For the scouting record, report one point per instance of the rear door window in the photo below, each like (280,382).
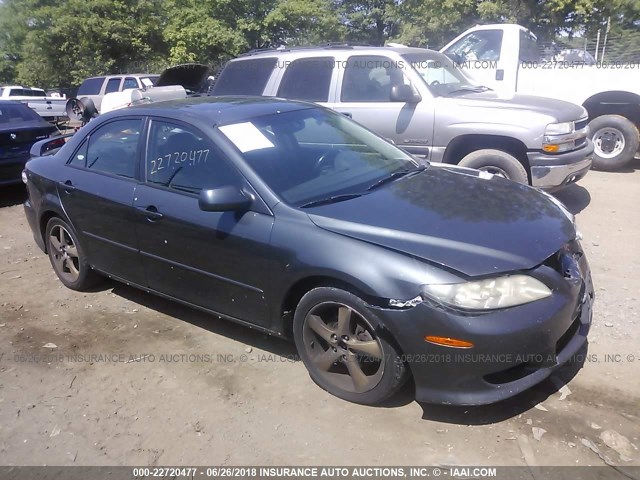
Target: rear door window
(307,79)
(245,77)
(112,148)
(91,86)
(113,84)
(129,82)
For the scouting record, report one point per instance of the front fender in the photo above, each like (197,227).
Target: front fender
(307,251)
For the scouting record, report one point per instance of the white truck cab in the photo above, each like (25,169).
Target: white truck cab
(506,57)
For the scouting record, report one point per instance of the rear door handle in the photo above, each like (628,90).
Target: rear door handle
(150,212)
(67,186)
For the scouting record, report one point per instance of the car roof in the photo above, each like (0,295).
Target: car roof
(20,86)
(120,75)
(360,49)
(215,110)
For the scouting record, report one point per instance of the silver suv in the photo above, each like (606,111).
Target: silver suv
(422,101)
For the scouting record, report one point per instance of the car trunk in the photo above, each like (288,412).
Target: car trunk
(16,142)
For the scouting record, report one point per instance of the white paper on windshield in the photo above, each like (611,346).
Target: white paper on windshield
(246,136)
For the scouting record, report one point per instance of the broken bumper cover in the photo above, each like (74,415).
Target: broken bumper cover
(514,349)
(553,171)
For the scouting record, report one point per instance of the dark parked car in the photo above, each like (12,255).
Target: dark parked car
(294,220)
(20,128)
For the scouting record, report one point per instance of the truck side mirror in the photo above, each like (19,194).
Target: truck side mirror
(404,93)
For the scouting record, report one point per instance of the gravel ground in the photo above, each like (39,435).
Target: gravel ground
(170,385)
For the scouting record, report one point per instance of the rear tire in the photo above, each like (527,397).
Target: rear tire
(497,162)
(615,141)
(67,256)
(339,341)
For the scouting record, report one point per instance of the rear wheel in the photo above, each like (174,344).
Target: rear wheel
(615,141)
(337,338)
(67,257)
(498,163)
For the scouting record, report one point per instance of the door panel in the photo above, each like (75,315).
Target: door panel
(100,209)
(216,260)
(97,193)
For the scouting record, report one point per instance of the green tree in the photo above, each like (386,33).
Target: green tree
(62,42)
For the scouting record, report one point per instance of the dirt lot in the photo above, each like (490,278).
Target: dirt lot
(169,385)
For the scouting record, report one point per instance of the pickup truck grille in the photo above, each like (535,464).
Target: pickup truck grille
(580,124)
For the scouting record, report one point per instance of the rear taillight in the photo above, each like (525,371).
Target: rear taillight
(57,143)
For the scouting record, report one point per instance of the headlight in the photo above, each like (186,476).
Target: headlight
(559,128)
(559,137)
(25,179)
(489,294)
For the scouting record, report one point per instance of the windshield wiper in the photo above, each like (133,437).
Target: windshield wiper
(395,176)
(333,199)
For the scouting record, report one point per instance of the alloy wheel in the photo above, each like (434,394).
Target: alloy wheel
(64,253)
(343,347)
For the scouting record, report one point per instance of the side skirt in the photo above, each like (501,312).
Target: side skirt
(252,326)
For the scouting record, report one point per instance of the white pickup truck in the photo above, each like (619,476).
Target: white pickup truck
(506,58)
(52,109)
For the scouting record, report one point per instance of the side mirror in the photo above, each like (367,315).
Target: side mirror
(404,93)
(224,199)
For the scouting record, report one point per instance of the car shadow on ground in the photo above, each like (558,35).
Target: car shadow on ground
(13,195)
(512,407)
(204,320)
(575,197)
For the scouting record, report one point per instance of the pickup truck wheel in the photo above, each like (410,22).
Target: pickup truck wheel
(615,142)
(497,162)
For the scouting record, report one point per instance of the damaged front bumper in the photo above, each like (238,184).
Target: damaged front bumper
(513,349)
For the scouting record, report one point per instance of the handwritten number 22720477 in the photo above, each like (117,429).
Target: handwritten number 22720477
(191,158)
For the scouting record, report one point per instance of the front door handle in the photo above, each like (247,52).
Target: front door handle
(67,186)
(150,212)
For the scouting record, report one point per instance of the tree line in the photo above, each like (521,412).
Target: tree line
(57,43)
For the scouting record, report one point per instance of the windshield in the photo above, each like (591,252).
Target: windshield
(440,74)
(314,155)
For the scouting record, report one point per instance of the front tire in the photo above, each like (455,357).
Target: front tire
(67,256)
(338,340)
(615,142)
(498,163)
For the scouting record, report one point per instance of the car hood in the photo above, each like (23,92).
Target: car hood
(191,76)
(476,224)
(560,110)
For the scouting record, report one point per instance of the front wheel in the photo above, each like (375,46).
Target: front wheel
(337,339)
(498,163)
(615,142)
